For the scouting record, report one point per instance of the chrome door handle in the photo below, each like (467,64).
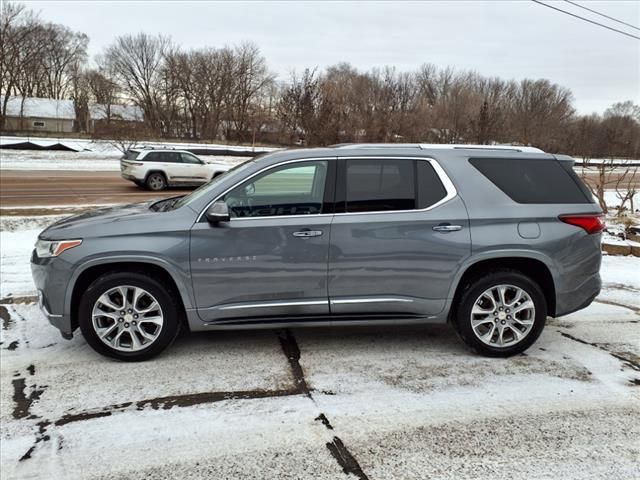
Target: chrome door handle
(307,233)
(445,227)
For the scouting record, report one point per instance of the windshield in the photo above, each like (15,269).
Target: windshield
(207,187)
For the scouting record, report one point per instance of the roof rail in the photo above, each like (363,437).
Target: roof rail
(512,148)
(375,145)
(441,146)
(151,147)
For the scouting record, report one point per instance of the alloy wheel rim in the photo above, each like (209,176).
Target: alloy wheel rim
(502,316)
(156,183)
(127,318)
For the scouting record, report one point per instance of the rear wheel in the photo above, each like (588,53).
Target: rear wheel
(156,182)
(128,316)
(501,314)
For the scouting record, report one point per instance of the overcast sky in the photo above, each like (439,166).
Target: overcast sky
(509,39)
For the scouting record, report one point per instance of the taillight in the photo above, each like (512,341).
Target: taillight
(590,222)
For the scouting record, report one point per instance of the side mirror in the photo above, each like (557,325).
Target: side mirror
(218,212)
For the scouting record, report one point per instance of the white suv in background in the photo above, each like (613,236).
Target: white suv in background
(157,169)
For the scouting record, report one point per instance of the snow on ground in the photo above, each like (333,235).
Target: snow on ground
(107,146)
(367,403)
(91,161)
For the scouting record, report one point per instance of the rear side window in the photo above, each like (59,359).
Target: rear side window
(171,157)
(380,185)
(152,157)
(532,181)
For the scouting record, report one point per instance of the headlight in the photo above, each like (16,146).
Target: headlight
(45,248)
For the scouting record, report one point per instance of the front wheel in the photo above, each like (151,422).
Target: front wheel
(128,316)
(501,314)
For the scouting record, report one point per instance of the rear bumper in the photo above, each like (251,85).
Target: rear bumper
(579,298)
(126,176)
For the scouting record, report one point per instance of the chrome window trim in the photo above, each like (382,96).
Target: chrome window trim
(444,178)
(265,169)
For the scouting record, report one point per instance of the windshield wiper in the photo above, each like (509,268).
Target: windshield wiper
(165,204)
(172,202)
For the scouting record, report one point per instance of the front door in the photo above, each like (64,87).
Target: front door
(399,235)
(194,170)
(271,258)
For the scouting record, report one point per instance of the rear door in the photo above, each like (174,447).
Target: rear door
(177,172)
(399,235)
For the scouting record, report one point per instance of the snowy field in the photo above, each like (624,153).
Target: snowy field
(82,161)
(369,403)
(106,146)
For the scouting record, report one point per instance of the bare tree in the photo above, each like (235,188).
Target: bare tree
(21,47)
(137,63)
(80,94)
(103,88)
(229,92)
(250,78)
(626,186)
(123,135)
(64,52)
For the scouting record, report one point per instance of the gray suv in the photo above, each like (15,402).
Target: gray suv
(490,239)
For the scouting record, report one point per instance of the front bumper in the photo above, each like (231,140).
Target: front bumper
(51,277)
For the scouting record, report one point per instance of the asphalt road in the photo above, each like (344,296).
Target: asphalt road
(20,188)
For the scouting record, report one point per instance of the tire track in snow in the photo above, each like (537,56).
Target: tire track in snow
(336,446)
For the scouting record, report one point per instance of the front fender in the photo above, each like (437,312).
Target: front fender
(179,275)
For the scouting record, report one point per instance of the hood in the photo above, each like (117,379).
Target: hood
(90,223)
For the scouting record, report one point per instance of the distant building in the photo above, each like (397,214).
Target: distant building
(59,116)
(105,113)
(39,115)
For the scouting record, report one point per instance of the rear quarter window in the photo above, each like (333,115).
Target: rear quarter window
(533,180)
(430,187)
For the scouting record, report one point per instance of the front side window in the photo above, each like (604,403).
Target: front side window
(294,189)
(188,158)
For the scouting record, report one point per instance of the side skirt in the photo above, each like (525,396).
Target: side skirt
(313,321)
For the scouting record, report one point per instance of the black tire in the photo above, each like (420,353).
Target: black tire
(164,295)
(156,182)
(461,318)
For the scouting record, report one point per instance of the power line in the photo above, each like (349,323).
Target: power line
(585,19)
(601,14)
